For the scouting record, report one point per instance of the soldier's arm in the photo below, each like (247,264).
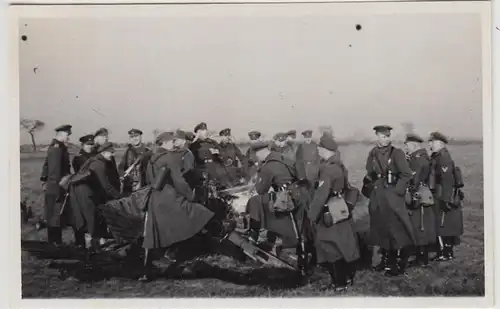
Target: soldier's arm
(99,171)
(123,162)
(180,184)
(421,171)
(445,166)
(321,195)
(405,173)
(54,164)
(45,172)
(264,180)
(75,163)
(369,163)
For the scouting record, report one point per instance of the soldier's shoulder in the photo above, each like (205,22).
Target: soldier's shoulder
(398,152)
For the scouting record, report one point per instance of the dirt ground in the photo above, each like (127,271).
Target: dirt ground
(222,276)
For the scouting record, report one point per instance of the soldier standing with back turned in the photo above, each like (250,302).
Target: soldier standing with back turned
(57,165)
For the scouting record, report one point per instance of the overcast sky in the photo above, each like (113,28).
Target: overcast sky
(247,73)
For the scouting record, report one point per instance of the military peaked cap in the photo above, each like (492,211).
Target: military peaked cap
(411,137)
(292,133)
(101,131)
(64,128)
(307,133)
(189,136)
(254,135)
(200,126)
(326,141)
(225,132)
(382,128)
(436,136)
(164,137)
(108,146)
(280,137)
(87,139)
(134,132)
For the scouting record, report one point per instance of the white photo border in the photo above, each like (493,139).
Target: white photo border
(103,11)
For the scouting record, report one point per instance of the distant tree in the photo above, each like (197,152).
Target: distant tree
(31,126)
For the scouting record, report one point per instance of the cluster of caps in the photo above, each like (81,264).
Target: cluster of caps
(171,135)
(412,137)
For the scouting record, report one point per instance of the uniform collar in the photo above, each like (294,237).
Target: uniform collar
(58,143)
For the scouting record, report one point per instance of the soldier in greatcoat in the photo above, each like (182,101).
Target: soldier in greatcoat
(275,173)
(104,185)
(101,136)
(80,197)
(282,146)
(449,216)
(231,156)
(308,159)
(56,166)
(207,154)
(335,243)
(172,216)
(136,150)
(390,226)
(422,217)
(86,152)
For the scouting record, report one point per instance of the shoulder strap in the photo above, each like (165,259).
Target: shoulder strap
(380,164)
(286,165)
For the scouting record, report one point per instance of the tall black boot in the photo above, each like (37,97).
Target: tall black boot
(425,256)
(351,271)
(384,262)
(441,248)
(398,267)
(79,238)
(341,271)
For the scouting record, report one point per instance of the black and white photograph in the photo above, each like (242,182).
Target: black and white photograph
(254,150)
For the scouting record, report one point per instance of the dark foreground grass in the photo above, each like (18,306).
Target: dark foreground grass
(218,275)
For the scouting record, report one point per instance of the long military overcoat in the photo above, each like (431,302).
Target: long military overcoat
(171,214)
(442,166)
(338,241)
(420,165)
(275,172)
(56,166)
(308,161)
(390,226)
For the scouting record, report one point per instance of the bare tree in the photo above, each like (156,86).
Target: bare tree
(31,126)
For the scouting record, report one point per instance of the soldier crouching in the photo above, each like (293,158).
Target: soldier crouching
(445,182)
(390,226)
(334,237)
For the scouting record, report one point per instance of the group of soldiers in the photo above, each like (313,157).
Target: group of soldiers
(302,194)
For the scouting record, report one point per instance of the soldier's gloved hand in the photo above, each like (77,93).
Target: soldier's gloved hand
(44,186)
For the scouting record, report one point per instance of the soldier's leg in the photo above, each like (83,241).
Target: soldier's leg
(341,270)
(79,237)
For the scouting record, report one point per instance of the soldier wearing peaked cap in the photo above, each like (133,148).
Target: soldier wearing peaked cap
(101,136)
(308,159)
(172,215)
(183,157)
(137,154)
(281,145)
(231,157)
(276,176)
(80,197)
(334,236)
(390,226)
(207,154)
(56,166)
(86,152)
(422,216)
(445,183)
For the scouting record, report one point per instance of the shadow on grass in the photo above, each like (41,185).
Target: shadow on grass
(77,263)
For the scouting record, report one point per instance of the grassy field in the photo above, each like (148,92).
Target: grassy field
(221,276)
